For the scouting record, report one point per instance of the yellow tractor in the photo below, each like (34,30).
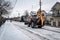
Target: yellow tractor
(36,20)
(40,17)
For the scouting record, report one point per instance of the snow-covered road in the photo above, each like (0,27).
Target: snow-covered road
(9,32)
(49,35)
(18,31)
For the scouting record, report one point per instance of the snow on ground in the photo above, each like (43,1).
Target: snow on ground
(45,33)
(45,27)
(9,32)
(52,28)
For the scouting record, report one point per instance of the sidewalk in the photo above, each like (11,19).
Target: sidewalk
(56,29)
(52,28)
(48,35)
(9,32)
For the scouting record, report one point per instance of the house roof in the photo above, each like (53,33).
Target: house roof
(56,4)
(48,14)
(43,11)
(33,13)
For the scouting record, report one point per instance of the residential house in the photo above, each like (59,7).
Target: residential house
(55,20)
(48,18)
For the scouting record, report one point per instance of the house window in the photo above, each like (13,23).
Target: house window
(54,11)
(59,23)
(59,11)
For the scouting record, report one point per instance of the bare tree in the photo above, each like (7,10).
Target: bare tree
(26,13)
(5,7)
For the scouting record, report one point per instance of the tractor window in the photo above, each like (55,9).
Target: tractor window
(34,15)
(42,14)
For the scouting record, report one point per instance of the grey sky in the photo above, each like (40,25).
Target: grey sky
(23,5)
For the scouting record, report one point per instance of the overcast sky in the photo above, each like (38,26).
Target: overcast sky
(22,5)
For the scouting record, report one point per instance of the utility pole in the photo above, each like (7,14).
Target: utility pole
(32,8)
(40,5)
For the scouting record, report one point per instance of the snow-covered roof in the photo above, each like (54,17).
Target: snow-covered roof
(33,13)
(55,5)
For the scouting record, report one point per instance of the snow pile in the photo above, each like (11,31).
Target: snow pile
(49,35)
(52,28)
(9,32)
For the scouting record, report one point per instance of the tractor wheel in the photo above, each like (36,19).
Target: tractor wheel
(32,25)
(28,25)
(25,23)
(40,26)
